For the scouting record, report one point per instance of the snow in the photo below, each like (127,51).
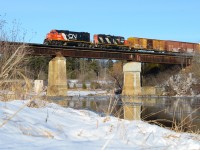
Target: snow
(51,126)
(85,93)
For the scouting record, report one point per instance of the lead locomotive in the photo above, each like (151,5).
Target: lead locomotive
(65,37)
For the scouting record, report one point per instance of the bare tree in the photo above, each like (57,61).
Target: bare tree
(12,58)
(196,65)
(117,74)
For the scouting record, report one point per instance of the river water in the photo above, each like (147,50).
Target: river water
(179,113)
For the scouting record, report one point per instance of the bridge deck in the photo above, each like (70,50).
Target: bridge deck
(147,56)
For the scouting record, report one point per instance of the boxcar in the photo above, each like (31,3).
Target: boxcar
(192,47)
(197,48)
(158,45)
(136,43)
(181,47)
(173,46)
(189,47)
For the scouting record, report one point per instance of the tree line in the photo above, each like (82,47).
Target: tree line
(79,68)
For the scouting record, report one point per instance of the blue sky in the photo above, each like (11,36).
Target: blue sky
(157,19)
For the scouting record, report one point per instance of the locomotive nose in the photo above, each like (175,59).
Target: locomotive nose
(49,36)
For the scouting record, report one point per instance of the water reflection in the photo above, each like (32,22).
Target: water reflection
(181,113)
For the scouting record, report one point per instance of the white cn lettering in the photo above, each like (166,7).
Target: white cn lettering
(72,36)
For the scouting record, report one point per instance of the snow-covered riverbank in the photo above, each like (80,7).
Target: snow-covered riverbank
(54,127)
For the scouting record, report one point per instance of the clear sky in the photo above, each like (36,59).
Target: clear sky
(158,19)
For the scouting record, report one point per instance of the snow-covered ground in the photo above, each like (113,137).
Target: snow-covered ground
(85,93)
(53,127)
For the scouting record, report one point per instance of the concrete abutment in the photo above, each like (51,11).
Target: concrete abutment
(57,77)
(131,89)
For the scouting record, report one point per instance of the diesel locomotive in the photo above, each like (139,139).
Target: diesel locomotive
(67,38)
(82,39)
(103,41)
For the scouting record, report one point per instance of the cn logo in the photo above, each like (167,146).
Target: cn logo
(72,36)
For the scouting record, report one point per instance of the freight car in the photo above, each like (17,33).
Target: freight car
(135,43)
(145,44)
(186,47)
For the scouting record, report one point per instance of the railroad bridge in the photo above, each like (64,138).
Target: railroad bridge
(57,85)
(146,56)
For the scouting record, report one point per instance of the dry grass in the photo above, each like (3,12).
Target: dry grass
(14,83)
(186,124)
(182,124)
(113,108)
(13,60)
(12,69)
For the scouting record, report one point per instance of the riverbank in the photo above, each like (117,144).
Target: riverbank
(54,127)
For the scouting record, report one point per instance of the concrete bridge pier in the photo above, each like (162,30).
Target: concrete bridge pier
(57,77)
(131,89)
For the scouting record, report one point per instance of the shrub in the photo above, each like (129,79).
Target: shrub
(95,85)
(74,86)
(84,86)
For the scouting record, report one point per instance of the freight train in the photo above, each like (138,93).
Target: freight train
(103,41)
